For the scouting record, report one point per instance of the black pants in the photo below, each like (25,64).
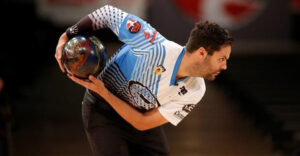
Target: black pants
(110,134)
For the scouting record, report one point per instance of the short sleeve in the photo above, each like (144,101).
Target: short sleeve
(176,110)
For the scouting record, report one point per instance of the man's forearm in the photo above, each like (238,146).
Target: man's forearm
(141,121)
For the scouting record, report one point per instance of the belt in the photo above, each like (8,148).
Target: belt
(98,101)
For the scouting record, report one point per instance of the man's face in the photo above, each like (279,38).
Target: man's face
(212,65)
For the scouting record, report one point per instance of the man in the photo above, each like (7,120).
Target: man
(150,81)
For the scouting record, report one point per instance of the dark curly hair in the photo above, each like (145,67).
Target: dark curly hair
(209,36)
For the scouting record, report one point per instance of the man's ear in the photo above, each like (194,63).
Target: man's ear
(201,52)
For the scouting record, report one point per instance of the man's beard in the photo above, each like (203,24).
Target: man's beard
(212,76)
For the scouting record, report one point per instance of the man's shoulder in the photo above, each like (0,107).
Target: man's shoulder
(172,47)
(172,44)
(196,83)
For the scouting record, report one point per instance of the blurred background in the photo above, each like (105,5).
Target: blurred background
(251,109)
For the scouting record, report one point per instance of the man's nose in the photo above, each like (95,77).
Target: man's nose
(224,66)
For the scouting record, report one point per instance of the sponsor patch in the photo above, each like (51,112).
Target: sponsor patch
(133,26)
(179,115)
(182,91)
(188,108)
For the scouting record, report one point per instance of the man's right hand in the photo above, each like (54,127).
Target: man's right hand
(58,54)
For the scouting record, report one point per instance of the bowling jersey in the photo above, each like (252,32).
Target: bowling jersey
(143,72)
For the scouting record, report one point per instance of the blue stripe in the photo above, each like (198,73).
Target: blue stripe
(162,61)
(151,74)
(132,40)
(137,45)
(145,69)
(157,52)
(157,64)
(136,66)
(153,78)
(149,68)
(163,39)
(175,70)
(141,65)
(138,41)
(146,46)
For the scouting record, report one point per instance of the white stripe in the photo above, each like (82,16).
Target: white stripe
(140,70)
(140,44)
(136,67)
(145,68)
(151,76)
(150,69)
(134,39)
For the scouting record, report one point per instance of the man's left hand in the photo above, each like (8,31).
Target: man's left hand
(94,84)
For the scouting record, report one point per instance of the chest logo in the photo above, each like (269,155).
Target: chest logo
(159,69)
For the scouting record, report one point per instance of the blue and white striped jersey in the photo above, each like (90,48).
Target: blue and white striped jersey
(143,71)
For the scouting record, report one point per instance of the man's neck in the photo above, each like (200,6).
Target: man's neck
(181,73)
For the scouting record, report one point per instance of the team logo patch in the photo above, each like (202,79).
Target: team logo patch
(133,26)
(159,69)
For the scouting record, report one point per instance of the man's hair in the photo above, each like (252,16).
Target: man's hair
(209,36)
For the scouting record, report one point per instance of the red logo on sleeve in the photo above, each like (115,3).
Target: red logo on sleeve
(133,26)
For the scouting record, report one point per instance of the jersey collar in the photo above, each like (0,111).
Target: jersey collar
(178,61)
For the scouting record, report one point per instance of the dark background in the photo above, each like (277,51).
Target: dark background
(251,109)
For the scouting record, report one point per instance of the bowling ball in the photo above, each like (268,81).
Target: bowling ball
(83,56)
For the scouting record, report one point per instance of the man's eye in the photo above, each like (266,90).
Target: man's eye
(222,59)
